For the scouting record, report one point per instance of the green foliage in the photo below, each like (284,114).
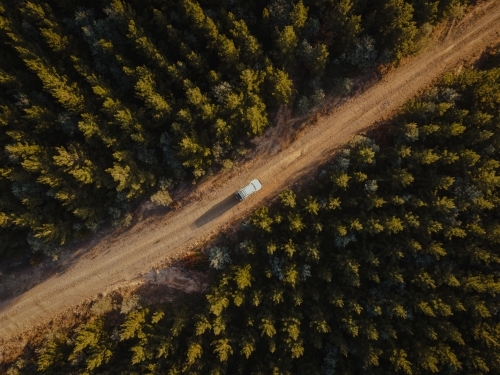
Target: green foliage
(49,355)
(388,265)
(101,101)
(398,28)
(94,343)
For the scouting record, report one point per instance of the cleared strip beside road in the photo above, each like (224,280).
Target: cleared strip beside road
(137,250)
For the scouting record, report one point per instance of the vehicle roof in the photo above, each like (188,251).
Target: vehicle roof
(247,190)
(251,188)
(256,183)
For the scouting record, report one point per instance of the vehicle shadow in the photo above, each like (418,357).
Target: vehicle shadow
(216,211)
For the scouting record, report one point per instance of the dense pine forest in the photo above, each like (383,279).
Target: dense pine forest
(104,103)
(388,263)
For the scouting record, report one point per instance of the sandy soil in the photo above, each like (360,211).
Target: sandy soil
(111,261)
(176,278)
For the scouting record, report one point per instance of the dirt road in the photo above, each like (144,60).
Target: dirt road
(139,249)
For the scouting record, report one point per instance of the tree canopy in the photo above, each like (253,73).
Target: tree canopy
(104,103)
(387,263)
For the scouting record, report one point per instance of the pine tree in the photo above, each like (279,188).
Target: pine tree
(220,43)
(398,28)
(93,341)
(130,178)
(343,25)
(286,41)
(146,90)
(58,85)
(50,29)
(251,50)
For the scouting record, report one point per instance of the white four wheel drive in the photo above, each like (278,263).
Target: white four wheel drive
(251,188)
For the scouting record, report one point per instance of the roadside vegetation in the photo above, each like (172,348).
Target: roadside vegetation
(387,263)
(104,103)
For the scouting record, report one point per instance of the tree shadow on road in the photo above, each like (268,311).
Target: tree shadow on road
(216,211)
